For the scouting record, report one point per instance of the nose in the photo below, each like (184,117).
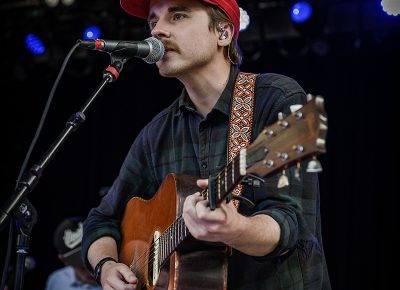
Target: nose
(160,31)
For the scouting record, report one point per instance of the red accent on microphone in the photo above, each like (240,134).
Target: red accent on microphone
(99,44)
(113,71)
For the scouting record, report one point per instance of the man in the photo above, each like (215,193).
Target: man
(277,243)
(67,241)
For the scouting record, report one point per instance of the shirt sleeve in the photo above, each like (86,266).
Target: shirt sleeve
(295,207)
(135,177)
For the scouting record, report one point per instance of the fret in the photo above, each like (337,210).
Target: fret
(172,237)
(219,186)
(171,248)
(183,230)
(179,231)
(233,172)
(226,179)
(176,238)
(186,231)
(162,248)
(168,240)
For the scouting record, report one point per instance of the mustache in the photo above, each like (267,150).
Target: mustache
(169,45)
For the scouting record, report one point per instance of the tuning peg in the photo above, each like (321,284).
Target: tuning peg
(297,171)
(309,97)
(314,165)
(283,180)
(281,120)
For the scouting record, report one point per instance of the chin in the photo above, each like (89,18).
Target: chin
(168,71)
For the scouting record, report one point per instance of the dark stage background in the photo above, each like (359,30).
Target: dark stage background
(349,54)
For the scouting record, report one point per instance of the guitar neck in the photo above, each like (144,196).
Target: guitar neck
(172,237)
(222,184)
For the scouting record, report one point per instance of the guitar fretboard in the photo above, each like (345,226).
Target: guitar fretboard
(172,237)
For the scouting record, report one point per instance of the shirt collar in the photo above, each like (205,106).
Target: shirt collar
(224,102)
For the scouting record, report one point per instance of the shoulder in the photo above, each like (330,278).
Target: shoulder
(58,277)
(275,93)
(287,85)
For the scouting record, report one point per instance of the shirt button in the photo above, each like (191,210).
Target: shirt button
(204,165)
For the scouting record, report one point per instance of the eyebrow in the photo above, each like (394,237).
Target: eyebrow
(172,9)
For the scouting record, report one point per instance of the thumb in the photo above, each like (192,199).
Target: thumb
(128,275)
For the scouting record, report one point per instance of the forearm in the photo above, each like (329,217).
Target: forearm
(255,236)
(103,247)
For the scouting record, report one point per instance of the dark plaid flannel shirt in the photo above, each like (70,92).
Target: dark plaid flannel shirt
(180,140)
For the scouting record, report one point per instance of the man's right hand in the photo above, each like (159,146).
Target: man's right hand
(117,276)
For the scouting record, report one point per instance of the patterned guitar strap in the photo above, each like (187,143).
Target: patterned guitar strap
(241,119)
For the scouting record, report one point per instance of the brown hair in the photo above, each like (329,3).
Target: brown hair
(231,52)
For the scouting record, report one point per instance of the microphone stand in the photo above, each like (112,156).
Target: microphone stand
(18,205)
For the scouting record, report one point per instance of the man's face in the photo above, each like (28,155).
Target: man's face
(183,27)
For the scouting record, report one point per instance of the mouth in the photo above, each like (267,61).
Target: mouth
(166,50)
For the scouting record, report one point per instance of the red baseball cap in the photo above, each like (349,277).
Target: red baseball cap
(140,8)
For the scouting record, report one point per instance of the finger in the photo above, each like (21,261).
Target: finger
(189,206)
(128,275)
(121,277)
(202,183)
(192,199)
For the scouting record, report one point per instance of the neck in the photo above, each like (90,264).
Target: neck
(206,85)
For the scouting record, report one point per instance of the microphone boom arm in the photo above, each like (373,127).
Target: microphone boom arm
(30,179)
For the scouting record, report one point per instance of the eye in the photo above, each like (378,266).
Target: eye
(152,24)
(178,16)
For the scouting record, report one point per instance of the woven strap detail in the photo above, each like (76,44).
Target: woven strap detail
(241,119)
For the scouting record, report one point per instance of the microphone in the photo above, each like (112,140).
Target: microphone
(150,50)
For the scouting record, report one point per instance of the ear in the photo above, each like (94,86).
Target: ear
(225,32)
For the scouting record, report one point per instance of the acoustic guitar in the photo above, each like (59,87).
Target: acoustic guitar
(157,245)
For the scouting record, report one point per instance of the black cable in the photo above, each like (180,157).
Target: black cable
(28,155)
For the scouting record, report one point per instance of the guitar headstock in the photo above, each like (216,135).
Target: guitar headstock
(300,135)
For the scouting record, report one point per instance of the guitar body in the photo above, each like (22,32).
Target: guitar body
(194,265)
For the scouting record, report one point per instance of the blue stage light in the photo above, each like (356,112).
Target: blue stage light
(34,44)
(92,32)
(301,12)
